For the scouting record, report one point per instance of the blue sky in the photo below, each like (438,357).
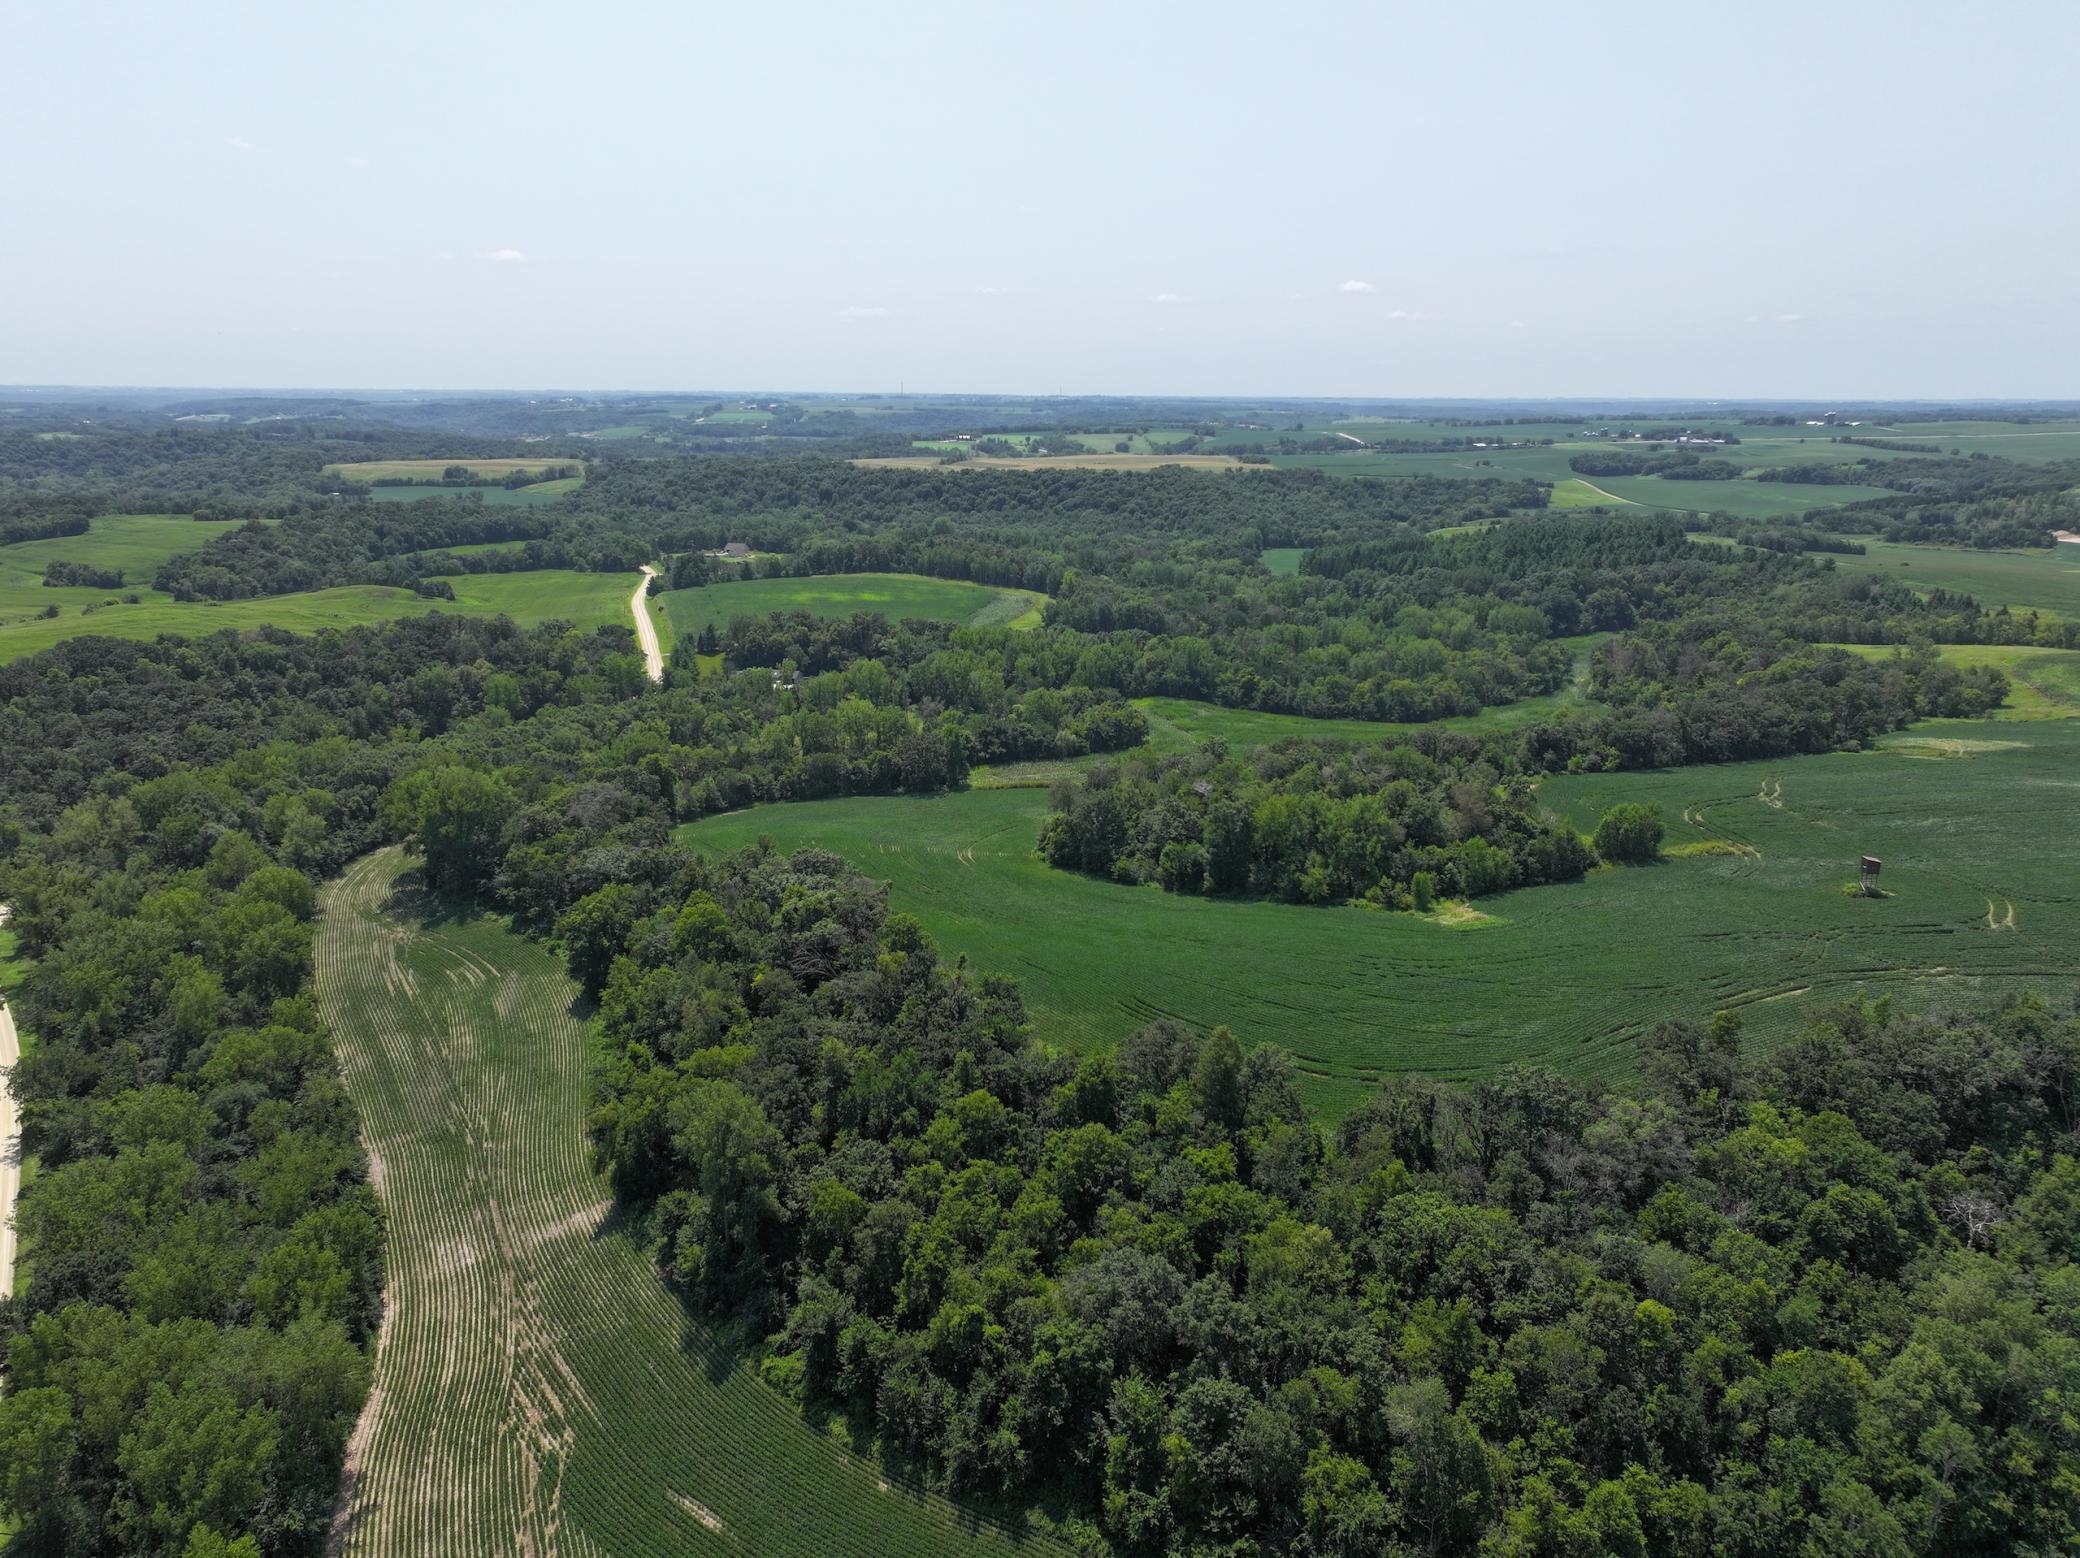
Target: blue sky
(1823,199)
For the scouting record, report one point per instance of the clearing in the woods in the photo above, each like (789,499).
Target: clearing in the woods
(537,1388)
(1750,916)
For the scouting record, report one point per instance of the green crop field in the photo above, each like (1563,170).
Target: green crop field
(1177,724)
(2043,683)
(1565,976)
(430,470)
(1282,559)
(892,595)
(2035,443)
(1746,499)
(496,497)
(2022,581)
(1534,464)
(588,599)
(538,1389)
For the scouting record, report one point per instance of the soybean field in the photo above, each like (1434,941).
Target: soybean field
(537,1388)
(891,595)
(1750,914)
(2047,582)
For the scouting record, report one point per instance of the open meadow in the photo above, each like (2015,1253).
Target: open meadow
(538,1389)
(132,544)
(1178,724)
(1096,462)
(587,599)
(1564,976)
(494,497)
(895,596)
(2022,581)
(430,470)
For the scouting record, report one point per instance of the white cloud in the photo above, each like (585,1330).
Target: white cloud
(864,313)
(1408,313)
(506,257)
(1168,297)
(1357,286)
(984,289)
(1516,324)
(1789,319)
(357,162)
(238,143)
(444,254)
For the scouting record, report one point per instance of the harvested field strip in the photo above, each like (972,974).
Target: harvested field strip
(538,1389)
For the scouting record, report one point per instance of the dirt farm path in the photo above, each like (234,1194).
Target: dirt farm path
(10,1144)
(646,630)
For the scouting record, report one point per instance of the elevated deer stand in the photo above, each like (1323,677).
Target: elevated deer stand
(1867,881)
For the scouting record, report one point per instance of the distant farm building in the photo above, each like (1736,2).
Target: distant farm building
(736,551)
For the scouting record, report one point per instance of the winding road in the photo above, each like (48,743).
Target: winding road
(10,1144)
(646,630)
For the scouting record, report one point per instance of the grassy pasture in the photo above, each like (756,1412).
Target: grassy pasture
(892,595)
(473,547)
(1566,976)
(1178,724)
(2048,582)
(1282,559)
(495,497)
(430,470)
(1578,493)
(537,1387)
(2043,683)
(136,544)
(588,599)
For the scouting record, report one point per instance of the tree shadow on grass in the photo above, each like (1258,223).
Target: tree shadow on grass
(414,901)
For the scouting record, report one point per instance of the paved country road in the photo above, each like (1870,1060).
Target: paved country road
(646,630)
(10,1145)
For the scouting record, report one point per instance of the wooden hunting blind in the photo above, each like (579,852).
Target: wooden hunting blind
(1868,879)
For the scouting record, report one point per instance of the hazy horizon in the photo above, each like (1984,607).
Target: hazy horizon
(378,392)
(1857,203)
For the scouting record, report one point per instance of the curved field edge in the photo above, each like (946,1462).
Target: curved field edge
(895,596)
(587,599)
(1563,976)
(537,1388)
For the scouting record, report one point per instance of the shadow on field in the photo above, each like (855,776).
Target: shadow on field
(412,902)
